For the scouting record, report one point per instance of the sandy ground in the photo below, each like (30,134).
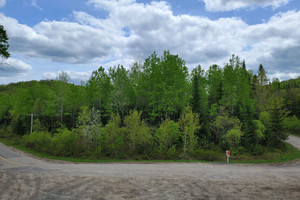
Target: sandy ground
(25,177)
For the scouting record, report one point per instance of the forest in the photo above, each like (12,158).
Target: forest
(156,109)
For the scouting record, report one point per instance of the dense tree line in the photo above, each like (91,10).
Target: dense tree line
(154,110)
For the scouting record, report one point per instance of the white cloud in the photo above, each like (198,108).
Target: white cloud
(59,41)
(153,27)
(284,76)
(12,67)
(34,4)
(227,5)
(275,44)
(133,31)
(2,3)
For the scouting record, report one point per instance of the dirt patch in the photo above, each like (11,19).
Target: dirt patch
(49,186)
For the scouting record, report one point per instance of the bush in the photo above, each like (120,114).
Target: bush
(39,141)
(292,124)
(208,155)
(167,136)
(232,139)
(138,134)
(64,143)
(257,150)
(4,133)
(265,118)
(171,154)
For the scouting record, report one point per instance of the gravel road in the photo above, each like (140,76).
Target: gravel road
(25,177)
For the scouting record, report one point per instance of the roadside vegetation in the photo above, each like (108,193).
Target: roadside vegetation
(155,111)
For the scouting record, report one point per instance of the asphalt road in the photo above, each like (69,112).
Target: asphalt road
(25,177)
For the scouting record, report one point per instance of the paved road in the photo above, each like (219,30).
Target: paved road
(25,177)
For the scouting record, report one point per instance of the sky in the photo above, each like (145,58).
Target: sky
(78,36)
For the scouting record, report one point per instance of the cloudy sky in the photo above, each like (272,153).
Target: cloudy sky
(78,36)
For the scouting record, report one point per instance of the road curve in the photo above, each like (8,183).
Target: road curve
(25,177)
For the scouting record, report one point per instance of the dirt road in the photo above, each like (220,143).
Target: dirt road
(24,177)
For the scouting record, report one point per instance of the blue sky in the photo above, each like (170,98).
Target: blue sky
(78,36)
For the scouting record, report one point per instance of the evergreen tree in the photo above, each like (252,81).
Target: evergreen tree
(262,92)
(3,43)
(196,94)
(199,102)
(277,133)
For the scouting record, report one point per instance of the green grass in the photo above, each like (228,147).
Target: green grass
(278,156)
(269,157)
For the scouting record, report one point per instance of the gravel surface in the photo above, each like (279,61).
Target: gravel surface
(25,177)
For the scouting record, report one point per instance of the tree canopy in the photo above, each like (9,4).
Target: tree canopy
(3,43)
(155,109)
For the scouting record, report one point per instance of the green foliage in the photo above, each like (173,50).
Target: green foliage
(222,125)
(230,108)
(114,137)
(261,90)
(99,91)
(277,133)
(164,86)
(40,141)
(167,137)
(122,90)
(90,129)
(292,100)
(137,132)
(37,126)
(3,43)
(208,155)
(199,102)
(214,75)
(292,124)
(265,118)
(232,139)
(65,143)
(189,123)
(260,129)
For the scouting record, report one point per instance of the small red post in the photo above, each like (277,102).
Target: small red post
(227,155)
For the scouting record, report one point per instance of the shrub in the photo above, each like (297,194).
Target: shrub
(167,135)
(257,150)
(292,124)
(137,133)
(64,143)
(40,141)
(232,139)
(114,139)
(265,118)
(207,155)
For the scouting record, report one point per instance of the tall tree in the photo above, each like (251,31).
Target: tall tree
(62,78)
(199,101)
(121,89)
(189,123)
(99,90)
(164,86)
(277,133)
(261,89)
(3,43)
(214,78)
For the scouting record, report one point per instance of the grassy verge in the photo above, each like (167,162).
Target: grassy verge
(290,154)
(17,145)
(269,157)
